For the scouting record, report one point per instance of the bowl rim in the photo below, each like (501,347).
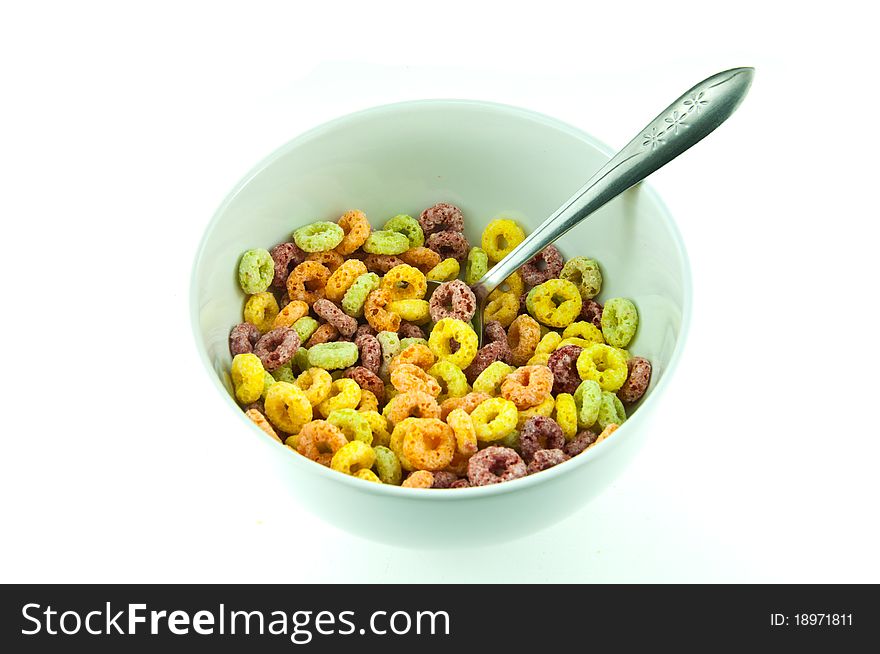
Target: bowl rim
(469,493)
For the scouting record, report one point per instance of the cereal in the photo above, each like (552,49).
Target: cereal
(449,329)
(523,337)
(476,267)
(563,365)
(342,279)
(584,331)
(585,275)
(500,237)
(242,338)
(441,217)
(542,267)
(637,380)
(333,356)
(419,479)
(582,441)
(549,343)
(540,433)
(331,260)
(408,377)
(404,282)
(513,284)
(406,342)
(422,258)
(367,475)
(588,400)
(378,427)
(390,344)
(414,311)
(315,383)
(355,228)
(353,425)
(260,310)
(318,236)
(285,256)
(411,331)
(386,242)
(305,327)
(256,271)
(494,331)
(503,307)
(453,299)
(494,419)
(544,408)
(443,479)
(428,443)
(260,421)
(495,352)
(463,428)
(411,404)
(356,295)
(247,377)
(445,271)
(556,303)
(300,360)
(306,282)
(609,429)
(369,401)
(376,314)
(382,263)
(387,466)
(451,379)
(325,333)
(611,411)
(276,347)
(318,441)
(448,245)
(527,386)
(603,364)
(344,394)
(494,465)
(409,227)
(287,407)
(489,381)
(469,402)
(591,312)
(545,459)
(417,354)
(565,415)
(346,325)
(291,312)
(364,328)
(461,483)
(353,457)
(369,352)
(620,319)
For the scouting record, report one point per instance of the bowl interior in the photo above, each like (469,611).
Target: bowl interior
(489,160)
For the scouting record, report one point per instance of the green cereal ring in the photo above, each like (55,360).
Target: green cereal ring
(332,356)
(356,295)
(511,441)
(305,327)
(390,343)
(477,265)
(585,274)
(301,360)
(620,319)
(611,410)
(406,342)
(318,236)
(268,380)
(386,242)
(587,400)
(353,424)
(256,271)
(285,373)
(387,466)
(409,227)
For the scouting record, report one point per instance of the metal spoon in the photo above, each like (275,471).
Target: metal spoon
(685,122)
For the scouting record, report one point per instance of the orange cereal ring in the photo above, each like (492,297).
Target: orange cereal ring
(468,402)
(522,338)
(342,278)
(408,377)
(260,421)
(290,314)
(356,228)
(463,429)
(411,404)
(323,334)
(306,282)
(417,354)
(319,441)
(421,258)
(375,313)
(330,259)
(527,386)
(429,444)
(419,479)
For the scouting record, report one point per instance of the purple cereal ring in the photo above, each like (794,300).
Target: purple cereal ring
(242,338)
(637,380)
(277,347)
(494,331)
(286,256)
(410,330)
(345,324)
(441,217)
(365,329)
(563,365)
(449,245)
(546,459)
(494,465)
(540,433)
(591,311)
(382,263)
(453,299)
(444,479)
(545,265)
(581,441)
(461,483)
(496,351)
(367,380)
(370,352)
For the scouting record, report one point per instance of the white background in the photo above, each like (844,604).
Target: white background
(122,130)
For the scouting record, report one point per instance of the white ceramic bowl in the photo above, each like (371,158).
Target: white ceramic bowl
(491,161)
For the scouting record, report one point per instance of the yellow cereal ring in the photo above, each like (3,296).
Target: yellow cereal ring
(500,237)
(566,415)
(463,427)
(344,394)
(556,302)
(494,419)
(248,377)
(504,308)
(513,284)
(369,401)
(352,457)
(378,427)
(451,378)
(549,343)
(584,330)
(416,311)
(367,475)
(404,282)
(287,407)
(604,365)
(574,340)
(260,421)
(342,279)
(452,328)
(445,271)
(545,408)
(316,384)
(489,381)
(261,310)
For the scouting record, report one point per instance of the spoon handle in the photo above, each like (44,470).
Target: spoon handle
(685,122)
